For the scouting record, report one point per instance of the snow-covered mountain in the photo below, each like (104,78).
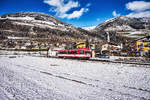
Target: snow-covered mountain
(41,25)
(37,19)
(125,26)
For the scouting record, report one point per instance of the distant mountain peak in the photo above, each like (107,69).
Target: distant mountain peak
(126,26)
(123,28)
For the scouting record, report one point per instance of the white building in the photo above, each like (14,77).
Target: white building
(110,47)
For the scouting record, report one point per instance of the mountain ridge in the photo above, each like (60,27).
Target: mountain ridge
(130,27)
(40,25)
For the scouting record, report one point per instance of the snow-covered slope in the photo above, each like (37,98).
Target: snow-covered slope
(38,20)
(42,25)
(126,26)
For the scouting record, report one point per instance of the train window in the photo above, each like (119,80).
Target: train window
(87,51)
(69,52)
(81,51)
(74,52)
(63,52)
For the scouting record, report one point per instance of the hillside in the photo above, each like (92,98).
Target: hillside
(124,27)
(39,25)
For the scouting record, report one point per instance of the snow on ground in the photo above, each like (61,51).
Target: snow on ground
(31,78)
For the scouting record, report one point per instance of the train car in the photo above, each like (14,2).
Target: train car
(82,53)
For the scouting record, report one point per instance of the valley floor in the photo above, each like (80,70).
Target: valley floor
(24,77)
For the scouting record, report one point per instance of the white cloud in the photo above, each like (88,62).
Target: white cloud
(115,14)
(139,9)
(62,8)
(68,6)
(89,4)
(139,14)
(75,14)
(89,28)
(98,19)
(53,2)
(138,5)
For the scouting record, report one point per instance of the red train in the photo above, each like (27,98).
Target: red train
(82,53)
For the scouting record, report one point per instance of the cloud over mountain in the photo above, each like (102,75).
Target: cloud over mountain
(138,5)
(115,14)
(61,7)
(139,9)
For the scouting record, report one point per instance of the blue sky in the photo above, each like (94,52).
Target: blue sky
(81,13)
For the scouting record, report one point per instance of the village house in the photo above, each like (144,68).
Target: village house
(111,49)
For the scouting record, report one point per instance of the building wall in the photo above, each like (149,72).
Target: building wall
(143,46)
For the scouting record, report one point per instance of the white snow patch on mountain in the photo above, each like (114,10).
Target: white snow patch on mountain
(20,18)
(30,21)
(119,28)
(22,23)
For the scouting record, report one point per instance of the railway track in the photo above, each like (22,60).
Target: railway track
(98,60)
(107,60)
(121,62)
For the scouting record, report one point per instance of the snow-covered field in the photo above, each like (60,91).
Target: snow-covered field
(24,77)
